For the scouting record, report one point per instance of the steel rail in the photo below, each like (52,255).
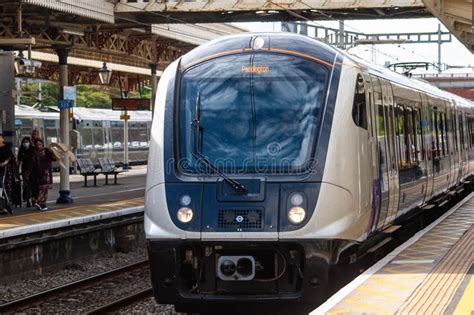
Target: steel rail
(31,299)
(120,303)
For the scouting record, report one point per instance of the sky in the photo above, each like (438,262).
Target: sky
(453,53)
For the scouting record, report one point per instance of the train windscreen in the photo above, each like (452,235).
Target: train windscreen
(250,113)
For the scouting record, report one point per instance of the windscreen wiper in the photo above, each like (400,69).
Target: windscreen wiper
(196,122)
(232,182)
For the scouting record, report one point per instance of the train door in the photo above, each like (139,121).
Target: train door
(361,115)
(441,166)
(469,129)
(426,127)
(464,140)
(383,157)
(452,144)
(392,152)
(373,147)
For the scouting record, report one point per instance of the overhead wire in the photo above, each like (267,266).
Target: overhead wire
(289,11)
(346,26)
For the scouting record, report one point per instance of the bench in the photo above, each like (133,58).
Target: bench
(87,168)
(108,167)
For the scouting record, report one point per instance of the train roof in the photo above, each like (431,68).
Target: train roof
(81,113)
(24,111)
(301,42)
(411,83)
(400,79)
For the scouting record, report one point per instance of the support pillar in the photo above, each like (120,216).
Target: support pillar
(439,48)
(340,39)
(64,186)
(7,104)
(154,85)
(125,136)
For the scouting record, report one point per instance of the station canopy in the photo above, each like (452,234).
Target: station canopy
(93,34)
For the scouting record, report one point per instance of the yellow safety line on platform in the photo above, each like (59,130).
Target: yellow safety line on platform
(8,226)
(447,250)
(87,208)
(66,213)
(435,293)
(466,304)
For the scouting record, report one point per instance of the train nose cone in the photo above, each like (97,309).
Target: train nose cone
(227,268)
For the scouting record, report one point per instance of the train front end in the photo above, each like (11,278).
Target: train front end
(236,165)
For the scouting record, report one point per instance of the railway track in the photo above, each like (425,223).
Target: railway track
(122,302)
(39,298)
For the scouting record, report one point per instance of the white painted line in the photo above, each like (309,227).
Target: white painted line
(68,222)
(413,261)
(101,194)
(351,286)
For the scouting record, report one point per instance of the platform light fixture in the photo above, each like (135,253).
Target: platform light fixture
(105,74)
(25,66)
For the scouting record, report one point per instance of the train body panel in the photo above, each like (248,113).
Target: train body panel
(101,131)
(347,149)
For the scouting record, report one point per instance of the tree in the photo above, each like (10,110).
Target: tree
(89,96)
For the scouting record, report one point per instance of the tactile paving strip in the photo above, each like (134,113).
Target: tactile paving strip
(10,222)
(391,287)
(435,293)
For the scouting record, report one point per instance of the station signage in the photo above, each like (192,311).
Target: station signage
(125,117)
(65,104)
(130,104)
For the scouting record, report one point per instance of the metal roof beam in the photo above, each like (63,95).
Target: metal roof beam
(99,10)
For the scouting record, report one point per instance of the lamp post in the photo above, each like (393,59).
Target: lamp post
(105,74)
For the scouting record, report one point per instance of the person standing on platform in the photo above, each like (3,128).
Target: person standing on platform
(42,174)
(7,160)
(25,162)
(34,136)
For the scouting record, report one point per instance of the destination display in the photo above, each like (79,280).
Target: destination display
(130,104)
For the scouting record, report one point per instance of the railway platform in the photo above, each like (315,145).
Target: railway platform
(90,204)
(106,218)
(431,273)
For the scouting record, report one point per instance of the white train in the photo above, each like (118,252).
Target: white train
(101,131)
(275,158)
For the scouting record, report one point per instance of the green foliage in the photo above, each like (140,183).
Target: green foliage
(92,97)
(87,95)
(49,93)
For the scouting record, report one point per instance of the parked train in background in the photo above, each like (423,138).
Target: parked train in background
(278,158)
(101,131)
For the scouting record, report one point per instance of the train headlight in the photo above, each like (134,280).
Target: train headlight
(185,200)
(296,215)
(185,214)
(296,199)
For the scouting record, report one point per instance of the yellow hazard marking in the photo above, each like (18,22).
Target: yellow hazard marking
(7,226)
(65,213)
(466,304)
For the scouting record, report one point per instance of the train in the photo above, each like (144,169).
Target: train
(100,131)
(275,157)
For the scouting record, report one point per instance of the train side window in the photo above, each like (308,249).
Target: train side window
(442,128)
(382,141)
(410,142)
(400,129)
(359,108)
(454,123)
(435,139)
(470,130)
(460,127)
(420,149)
(447,141)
